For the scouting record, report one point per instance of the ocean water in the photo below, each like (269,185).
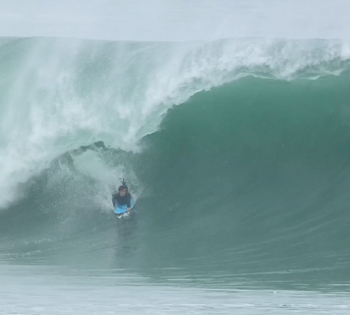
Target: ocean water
(233,137)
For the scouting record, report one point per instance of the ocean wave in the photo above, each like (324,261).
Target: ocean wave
(60,94)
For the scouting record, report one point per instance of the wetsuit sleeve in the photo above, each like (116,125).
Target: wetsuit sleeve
(113,200)
(129,201)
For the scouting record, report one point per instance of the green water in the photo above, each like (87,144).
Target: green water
(252,180)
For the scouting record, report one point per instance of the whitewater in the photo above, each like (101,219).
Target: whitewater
(228,119)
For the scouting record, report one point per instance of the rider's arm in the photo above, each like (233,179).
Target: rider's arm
(129,201)
(114,200)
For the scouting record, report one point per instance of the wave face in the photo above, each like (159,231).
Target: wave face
(252,179)
(246,178)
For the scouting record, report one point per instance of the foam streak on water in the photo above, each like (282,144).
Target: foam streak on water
(57,295)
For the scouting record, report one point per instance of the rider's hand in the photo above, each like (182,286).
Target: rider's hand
(128,209)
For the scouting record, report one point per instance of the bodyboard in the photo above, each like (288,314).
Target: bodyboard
(120,209)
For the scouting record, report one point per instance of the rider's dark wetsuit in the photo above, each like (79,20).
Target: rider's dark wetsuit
(119,200)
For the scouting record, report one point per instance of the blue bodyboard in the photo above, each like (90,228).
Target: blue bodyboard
(120,209)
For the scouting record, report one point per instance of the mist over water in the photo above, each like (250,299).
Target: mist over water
(230,122)
(155,20)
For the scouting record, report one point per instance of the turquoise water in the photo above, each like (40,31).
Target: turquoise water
(236,150)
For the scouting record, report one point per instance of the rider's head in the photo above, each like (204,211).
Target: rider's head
(122,190)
